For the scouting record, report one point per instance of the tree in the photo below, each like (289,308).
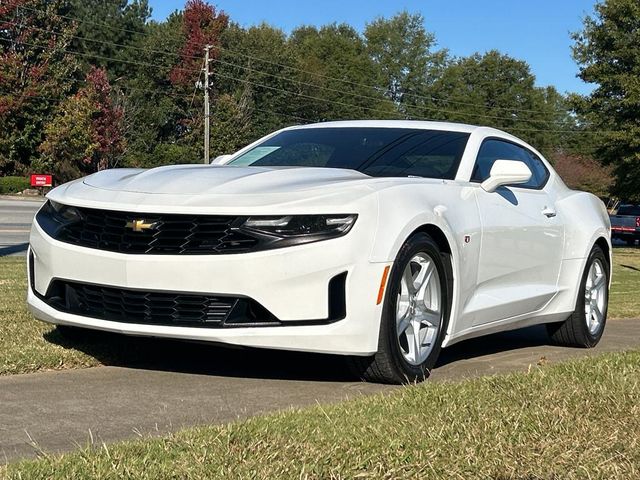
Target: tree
(36,72)
(108,32)
(68,147)
(401,49)
(250,86)
(202,25)
(608,52)
(583,173)
(336,74)
(154,111)
(497,90)
(85,136)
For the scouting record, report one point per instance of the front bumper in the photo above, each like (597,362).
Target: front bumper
(291,283)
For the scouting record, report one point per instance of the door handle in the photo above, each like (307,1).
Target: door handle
(548,212)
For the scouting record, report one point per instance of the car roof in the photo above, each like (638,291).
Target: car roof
(419,124)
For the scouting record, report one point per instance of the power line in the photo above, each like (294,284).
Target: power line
(308,96)
(118,87)
(213,73)
(305,119)
(368,97)
(357,84)
(344,81)
(335,102)
(105,42)
(101,57)
(379,99)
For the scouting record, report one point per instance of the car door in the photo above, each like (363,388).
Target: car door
(521,242)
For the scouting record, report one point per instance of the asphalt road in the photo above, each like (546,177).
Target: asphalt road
(160,386)
(15,223)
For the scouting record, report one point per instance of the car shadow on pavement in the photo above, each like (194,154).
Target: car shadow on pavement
(497,343)
(209,359)
(205,359)
(11,249)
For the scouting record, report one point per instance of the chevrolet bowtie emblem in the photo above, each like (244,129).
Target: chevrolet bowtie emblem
(140,225)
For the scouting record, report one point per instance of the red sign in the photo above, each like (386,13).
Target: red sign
(38,180)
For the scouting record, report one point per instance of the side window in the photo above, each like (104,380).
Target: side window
(539,172)
(492,150)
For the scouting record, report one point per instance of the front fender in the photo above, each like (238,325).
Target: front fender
(451,208)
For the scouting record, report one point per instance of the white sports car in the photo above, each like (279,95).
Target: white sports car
(383,241)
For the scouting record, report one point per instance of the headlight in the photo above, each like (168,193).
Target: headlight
(287,230)
(53,216)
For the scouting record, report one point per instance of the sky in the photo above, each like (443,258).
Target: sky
(537,31)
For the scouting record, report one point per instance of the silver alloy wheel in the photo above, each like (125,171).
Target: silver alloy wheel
(419,309)
(595,297)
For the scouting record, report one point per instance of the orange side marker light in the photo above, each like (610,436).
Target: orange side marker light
(383,284)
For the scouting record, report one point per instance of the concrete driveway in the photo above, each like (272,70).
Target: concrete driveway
(15,222)
(158,386)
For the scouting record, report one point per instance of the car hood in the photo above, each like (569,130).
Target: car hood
(221,189)
(206,180)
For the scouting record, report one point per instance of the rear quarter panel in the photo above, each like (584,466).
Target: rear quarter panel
(586,219)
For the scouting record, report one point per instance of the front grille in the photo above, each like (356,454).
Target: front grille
(155,307)
(168,234)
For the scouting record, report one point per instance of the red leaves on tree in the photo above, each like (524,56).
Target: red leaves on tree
(29,54)
(583,173)
(106,122)
(202,25)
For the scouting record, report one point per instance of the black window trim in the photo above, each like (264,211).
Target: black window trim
(546,169)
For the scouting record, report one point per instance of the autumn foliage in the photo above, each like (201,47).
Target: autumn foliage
(106,122)
(202,25)
(583,173)
(86,135)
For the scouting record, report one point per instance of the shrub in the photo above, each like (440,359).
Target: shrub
(13,184)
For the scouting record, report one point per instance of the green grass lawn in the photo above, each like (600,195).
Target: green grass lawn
(27,345)
(624,301)
(22,345)
(580,419)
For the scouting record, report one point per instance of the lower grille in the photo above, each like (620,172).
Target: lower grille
(173,308)
(155,307)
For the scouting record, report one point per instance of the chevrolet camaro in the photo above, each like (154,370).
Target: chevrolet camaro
(383,241)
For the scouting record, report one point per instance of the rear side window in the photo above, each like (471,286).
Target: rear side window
(493,149)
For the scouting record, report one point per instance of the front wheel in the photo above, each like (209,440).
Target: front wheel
(414,316)
(585,326)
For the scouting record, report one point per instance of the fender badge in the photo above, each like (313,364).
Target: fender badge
(467,238)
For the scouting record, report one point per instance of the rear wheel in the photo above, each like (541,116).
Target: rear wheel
(586,324)
(414,316)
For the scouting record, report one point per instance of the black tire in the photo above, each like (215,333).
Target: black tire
(388,364)
(573,332)
(77,334)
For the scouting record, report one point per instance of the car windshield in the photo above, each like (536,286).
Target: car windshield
(629,210)
(380,152)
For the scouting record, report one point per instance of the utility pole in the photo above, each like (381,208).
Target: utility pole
(206,104)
